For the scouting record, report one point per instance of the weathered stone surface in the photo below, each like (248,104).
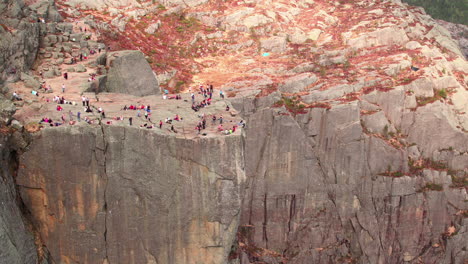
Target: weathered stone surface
(386,36)
(153,27)
(133,195)
(130,73)
(318,173)
(274,44)
(16,240)
(298,83)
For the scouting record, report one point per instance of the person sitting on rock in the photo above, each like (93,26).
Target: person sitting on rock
(220,128)
(227,107)
(88,109)
(16,96)
(176,118)
(59,108)
(99,110)
(125,108)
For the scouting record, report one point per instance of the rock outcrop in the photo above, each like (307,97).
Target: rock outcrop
(324,188)
(126,195)
(130,73)
(16,237)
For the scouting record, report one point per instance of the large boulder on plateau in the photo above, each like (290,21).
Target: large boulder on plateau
(130,73)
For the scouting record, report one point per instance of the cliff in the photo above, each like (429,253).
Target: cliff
(126,195)
(355,149)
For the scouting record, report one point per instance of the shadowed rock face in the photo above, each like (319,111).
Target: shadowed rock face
(128,195)
(130,73)
(16,240)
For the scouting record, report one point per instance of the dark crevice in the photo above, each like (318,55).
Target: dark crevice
(106,183)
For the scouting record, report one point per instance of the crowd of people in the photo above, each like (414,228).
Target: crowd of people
(143,113)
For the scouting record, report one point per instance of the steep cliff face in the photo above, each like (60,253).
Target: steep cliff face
(323,189)
(20,34)
(125,195)
(16,239)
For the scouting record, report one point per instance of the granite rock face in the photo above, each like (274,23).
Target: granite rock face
(126,195)
(16,239)
(323,189)
(130,73)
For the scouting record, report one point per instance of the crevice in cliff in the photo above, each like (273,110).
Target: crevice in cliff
(106,180)
(265,220)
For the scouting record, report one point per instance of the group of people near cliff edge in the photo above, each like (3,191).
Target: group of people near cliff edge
(145,111)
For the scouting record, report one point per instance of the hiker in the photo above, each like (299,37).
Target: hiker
(221,94)
(242,123)
(227,107)
(130,120)
(160,124)
(214,119)
(78,116)
(220,128)
(63,88)
(87,101)
(70,115)
(221,119)
(65,75)
(88,109)
(173,129)
(103,114)
(83,100)
(146,115)
(99,110)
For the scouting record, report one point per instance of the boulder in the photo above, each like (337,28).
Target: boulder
(29,81)
(80,68)
(274,44)
(153,27)
(130,73)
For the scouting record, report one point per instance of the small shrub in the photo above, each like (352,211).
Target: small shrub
(430,186)
(459,181)
(442,93)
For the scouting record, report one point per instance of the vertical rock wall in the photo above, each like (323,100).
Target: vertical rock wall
(318,191)
(16,240)
(127,195)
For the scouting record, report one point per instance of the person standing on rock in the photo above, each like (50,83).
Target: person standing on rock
(160,124)
(70,115)
(87,102)
(65,75)
(78,116)
(83,100)
(146,115)
(130,120)
(63,88)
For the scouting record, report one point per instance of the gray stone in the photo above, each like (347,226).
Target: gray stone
(298,83)
(275,44)
(80,68)
(130,73)
(378,123)
(153,27)
(110,184)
